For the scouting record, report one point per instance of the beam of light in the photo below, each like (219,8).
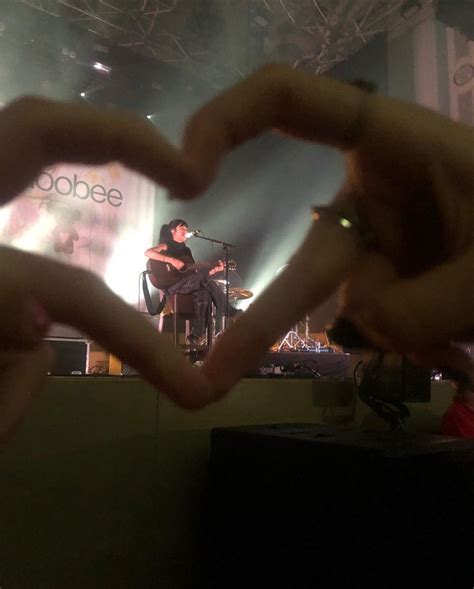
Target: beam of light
(282,241)
(102,68)
(128,259)
(5,213)
(126,263)
(272,256)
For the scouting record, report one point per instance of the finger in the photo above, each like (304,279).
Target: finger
(327,111)
(454,362)
(423,312)
(21,376)
(322,261)
(40,132)
(75,297)
(372,274)
(318,109)
(24,323)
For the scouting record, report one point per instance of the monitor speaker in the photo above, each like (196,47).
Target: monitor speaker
(304,505)
(70,357)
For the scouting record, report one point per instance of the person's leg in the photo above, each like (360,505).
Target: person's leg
(217,295)
(202,307)
(190,283)
(204,291)
(219,299)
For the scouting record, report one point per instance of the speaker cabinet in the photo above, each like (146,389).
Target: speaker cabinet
(302,505)
(71,356)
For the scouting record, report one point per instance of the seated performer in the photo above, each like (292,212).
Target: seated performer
(172,276)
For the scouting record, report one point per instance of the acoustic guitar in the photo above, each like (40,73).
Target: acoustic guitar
(163,275)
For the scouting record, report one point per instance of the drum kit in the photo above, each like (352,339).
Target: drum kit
(236,293)
(297,339)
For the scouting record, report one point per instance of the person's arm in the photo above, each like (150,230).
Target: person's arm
(156,253)
(218,267)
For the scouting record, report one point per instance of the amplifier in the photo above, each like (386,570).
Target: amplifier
(71,356)
(304,505)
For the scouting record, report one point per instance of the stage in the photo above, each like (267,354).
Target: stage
(307,365)
(77,357)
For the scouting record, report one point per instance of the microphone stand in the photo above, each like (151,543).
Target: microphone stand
(226,248)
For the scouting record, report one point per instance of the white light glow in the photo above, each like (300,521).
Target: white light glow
(128,259)
(5,213)
(272,257)
(101,67)
(126,264)
(36,238)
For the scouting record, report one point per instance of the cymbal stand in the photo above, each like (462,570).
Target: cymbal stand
(311,344)
(292,341)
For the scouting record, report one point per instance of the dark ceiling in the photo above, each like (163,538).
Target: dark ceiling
(222,40)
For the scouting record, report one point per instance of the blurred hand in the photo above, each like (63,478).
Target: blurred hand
(409,174)
(35,291)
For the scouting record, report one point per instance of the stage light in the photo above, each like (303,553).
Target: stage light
(101,67)
(345,223)
(83,94)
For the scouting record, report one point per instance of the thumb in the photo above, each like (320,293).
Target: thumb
(21,375)
(426,311)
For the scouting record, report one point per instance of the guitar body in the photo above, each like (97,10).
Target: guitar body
(164,275)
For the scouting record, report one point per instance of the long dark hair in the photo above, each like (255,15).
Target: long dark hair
(165,231)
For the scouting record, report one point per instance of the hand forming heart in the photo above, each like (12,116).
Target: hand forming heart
(409,174)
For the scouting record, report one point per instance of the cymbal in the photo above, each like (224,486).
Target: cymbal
(240,293)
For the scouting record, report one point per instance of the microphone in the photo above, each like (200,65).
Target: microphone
(193,233)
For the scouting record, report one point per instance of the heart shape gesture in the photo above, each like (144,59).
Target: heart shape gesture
(409,175)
